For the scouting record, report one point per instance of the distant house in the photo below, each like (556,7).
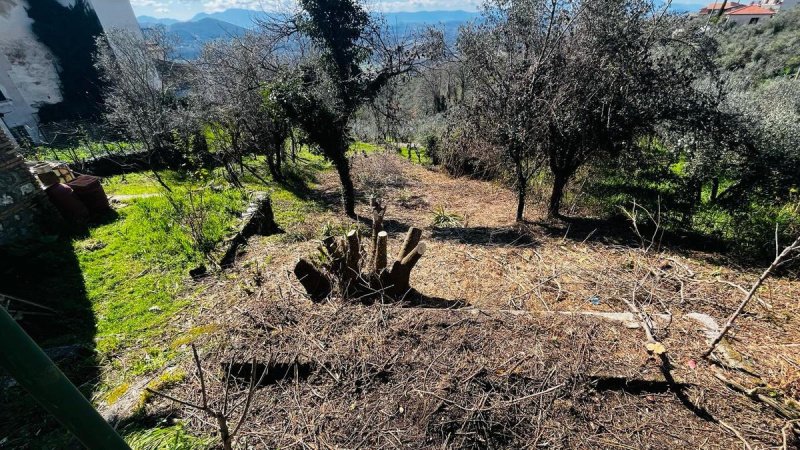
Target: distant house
(749,15)
(753,13)
(713,8)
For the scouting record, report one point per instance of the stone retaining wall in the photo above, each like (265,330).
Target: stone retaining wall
(22,199)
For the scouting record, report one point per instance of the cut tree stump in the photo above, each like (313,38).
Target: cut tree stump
(366,279)
(313,280)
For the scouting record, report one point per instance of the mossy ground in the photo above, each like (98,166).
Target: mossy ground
(121,284)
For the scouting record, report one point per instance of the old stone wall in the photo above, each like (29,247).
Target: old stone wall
(22,200)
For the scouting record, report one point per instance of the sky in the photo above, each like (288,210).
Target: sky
(186,9)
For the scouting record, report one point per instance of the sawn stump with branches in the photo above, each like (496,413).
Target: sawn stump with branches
(361,274)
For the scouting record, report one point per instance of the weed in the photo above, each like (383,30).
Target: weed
(166,380)
(445,219)
(115,394)
(189,336)
(172,437)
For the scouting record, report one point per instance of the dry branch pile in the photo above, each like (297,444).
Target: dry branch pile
(350,376)
(358,274)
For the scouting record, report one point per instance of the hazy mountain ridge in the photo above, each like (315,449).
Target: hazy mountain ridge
(205,27)
(247,18)
(191,35)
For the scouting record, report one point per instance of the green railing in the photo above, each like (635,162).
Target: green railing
(32,369)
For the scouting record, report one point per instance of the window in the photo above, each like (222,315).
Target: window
(753,21)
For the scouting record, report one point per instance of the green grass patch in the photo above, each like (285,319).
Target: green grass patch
(119,286)
(145,183)
(417,155)
(365,147)
(81,152)
(166,437)
(134,279)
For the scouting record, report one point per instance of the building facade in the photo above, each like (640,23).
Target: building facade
(743,14)
(29,73)
(750,15)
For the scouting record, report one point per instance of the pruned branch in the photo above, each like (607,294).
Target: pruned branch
(779,259)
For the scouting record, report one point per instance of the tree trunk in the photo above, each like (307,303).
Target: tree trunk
(279,157)
(520,204)
(294,146)
(698,193)
(554,208)
(272,169)
(714,189)
(521,191)
(348,191)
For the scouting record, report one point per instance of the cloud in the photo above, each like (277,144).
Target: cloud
(222,5)
(153,3)
(426,5)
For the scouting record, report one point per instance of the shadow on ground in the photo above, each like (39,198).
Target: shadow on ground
(617,230)
(50,302)
(488,236)
(416,299)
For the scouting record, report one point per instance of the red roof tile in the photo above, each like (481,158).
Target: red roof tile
(752,10)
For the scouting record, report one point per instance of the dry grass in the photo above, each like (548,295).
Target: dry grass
(513,371)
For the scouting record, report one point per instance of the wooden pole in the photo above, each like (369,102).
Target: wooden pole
(380,251)
(353,254)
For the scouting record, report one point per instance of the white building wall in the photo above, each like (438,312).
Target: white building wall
(27,62)
(28,70)
(787,4)
(115,14)
(744,19)
(16,110)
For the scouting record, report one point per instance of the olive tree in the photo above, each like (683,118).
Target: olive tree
(509,58)
(339,59)
(624,70)
(233,82)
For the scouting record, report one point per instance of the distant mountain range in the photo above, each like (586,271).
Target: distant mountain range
(248,18)
(190,36)
(205,27)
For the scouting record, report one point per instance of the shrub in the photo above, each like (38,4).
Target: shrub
(445,219)
(375,173)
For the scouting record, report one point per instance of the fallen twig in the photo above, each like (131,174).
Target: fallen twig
(777,262)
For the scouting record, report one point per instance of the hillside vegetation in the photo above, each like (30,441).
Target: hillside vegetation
(572,224)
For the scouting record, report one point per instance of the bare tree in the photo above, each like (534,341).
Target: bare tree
(142,86)
(349,60)
(233,82)
(509,55)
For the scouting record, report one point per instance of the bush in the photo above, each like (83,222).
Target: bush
(432,147)
(750,232)
(375,173)
(465,154)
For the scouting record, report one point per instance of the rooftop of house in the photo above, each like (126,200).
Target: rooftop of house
(718,5)
(752,10)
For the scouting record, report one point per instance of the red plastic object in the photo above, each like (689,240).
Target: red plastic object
(91,193)
(67,203)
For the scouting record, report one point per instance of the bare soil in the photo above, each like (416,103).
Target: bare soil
(513,368)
